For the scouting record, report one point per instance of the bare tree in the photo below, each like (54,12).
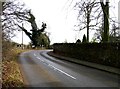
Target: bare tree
(114,35)
(10,19)
(89,14)
(98,36)
(104,33)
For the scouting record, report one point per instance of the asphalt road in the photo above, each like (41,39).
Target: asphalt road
(42,70)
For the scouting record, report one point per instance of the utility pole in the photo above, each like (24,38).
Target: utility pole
(22,38)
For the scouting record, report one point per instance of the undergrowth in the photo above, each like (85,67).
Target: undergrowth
(11,75)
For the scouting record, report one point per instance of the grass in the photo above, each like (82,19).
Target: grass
(11,75)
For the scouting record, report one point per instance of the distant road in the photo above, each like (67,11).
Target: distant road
(42,70)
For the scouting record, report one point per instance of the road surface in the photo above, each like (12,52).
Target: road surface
(42,70)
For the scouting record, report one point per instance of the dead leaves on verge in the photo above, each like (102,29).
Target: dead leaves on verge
(11,76)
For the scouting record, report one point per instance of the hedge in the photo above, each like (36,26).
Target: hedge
(102,53)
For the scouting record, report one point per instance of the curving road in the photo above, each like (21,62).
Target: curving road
(42,70)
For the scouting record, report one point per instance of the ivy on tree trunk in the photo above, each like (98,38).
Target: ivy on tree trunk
(34,36)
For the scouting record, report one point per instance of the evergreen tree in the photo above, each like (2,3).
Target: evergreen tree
(84,39)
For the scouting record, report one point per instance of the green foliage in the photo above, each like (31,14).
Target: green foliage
(37,37)
(43,40)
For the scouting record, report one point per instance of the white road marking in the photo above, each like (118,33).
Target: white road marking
(37,57)
(53,67)
(34,54)
(61,71)
(40,59)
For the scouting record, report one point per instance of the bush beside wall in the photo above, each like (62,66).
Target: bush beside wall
(102,53)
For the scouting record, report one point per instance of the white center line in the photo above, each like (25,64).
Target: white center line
(61,71)
(40,59)
(34,54)
(53,67)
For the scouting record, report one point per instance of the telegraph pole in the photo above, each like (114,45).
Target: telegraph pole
(22,38)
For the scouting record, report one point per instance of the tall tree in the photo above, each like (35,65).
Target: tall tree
(36,32)
(15,13)
(114,34)
(88,14)
(104,33)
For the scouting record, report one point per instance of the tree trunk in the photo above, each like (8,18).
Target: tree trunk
(105,9)
(106,31)
(88,21)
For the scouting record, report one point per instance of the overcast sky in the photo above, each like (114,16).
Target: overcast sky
(60,17)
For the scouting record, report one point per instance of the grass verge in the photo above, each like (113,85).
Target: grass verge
(11,75)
